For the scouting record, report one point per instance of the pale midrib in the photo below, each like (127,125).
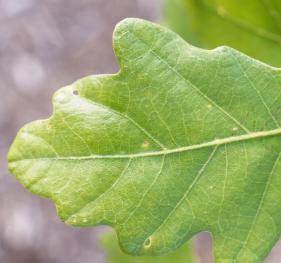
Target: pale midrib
(216,142)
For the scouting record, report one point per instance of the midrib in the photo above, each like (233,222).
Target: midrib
(216,142)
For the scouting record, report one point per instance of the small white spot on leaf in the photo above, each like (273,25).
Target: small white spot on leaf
(145,144)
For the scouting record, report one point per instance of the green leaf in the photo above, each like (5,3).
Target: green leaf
(184,254)
(181,140)
(253,27)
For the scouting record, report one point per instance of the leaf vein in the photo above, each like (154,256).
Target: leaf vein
(192,85)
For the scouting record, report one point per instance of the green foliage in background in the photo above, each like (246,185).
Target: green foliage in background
(115,255)
(251,26)
(181,140)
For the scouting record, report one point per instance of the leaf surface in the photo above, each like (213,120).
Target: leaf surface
(181,140)
(109,242)
(253,27)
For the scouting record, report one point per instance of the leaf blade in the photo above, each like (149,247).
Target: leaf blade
(256,25)
(146,150)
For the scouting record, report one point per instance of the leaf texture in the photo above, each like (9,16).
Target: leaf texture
(181,140)
(253,27)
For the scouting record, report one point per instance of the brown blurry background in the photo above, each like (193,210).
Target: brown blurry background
(46,44)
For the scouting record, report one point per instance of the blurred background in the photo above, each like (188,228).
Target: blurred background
(44,45)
